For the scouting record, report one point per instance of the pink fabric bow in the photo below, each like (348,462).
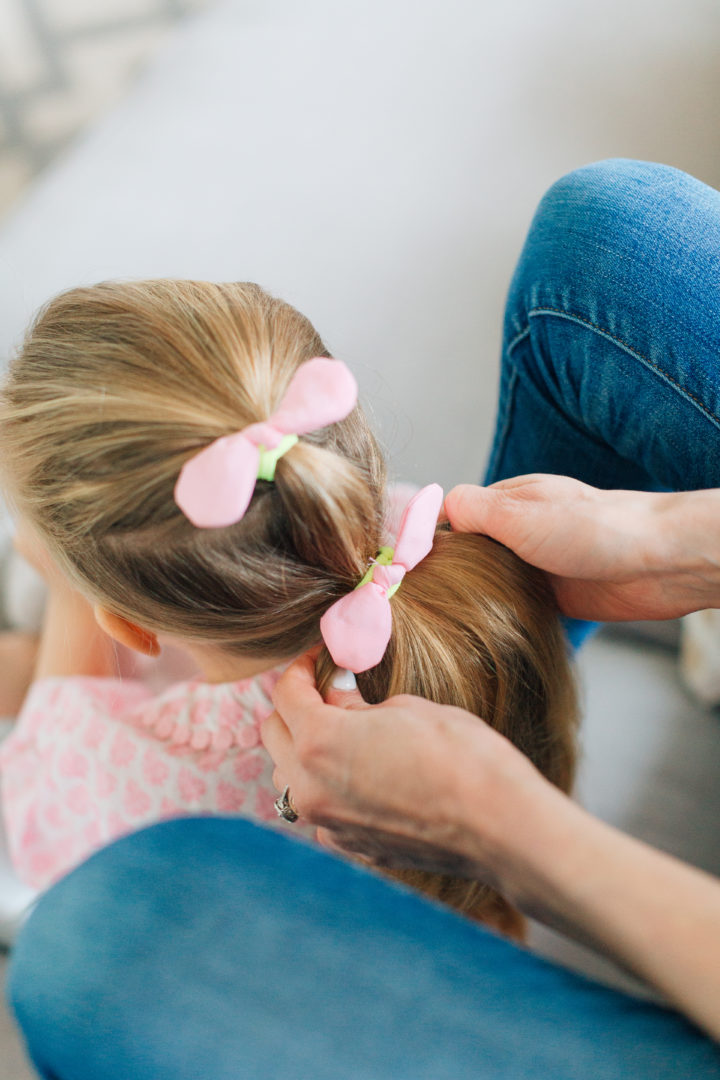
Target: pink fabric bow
(216,485)
(357,628)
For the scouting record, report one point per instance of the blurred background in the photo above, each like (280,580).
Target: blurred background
(62,64)
(376,163)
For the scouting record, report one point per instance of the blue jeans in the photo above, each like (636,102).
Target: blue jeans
(213,949)
(611,351)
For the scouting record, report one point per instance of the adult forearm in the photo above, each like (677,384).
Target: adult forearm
(653,914)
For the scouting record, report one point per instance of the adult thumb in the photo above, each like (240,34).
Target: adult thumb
(343,691)
(469,507)
(507,509)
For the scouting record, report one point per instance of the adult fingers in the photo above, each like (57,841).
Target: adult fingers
(343,691)
(296,697)
(277,740)
(288,770)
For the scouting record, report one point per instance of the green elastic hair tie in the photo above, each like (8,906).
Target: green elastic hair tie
(384,558)
(269,458)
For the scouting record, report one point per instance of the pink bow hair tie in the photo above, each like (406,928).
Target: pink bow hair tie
(357,628)
(215,486)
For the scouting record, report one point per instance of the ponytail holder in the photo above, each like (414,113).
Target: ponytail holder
(357,628)
(215,486)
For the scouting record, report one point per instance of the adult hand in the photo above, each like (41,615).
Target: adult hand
(404,783)
(411,783)
(611,555)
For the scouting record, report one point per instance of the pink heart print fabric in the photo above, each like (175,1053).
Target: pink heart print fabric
(92,759)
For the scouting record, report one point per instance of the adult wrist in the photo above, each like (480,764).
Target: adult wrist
(510,827)
(685,544)
(546,857)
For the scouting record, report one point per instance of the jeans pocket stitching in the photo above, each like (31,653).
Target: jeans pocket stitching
(631,350)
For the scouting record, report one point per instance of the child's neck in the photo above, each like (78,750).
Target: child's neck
(223,667)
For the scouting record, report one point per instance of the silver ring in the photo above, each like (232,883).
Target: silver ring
(285,808)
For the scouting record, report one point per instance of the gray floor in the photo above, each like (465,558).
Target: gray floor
(14,1063)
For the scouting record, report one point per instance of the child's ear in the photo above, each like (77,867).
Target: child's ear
(127,633)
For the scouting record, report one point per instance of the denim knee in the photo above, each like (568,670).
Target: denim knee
(618,185)
(613,241)
(599,213)
(581,218)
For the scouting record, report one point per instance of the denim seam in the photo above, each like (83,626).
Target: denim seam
(628,348)
(517,339)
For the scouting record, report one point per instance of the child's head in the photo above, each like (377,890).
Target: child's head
(118,385)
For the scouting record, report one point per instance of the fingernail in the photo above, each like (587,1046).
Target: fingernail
(343,680)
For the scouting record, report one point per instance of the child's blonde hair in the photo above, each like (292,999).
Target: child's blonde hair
(118,385)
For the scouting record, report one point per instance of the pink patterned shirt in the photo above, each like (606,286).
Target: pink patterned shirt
(91,759)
